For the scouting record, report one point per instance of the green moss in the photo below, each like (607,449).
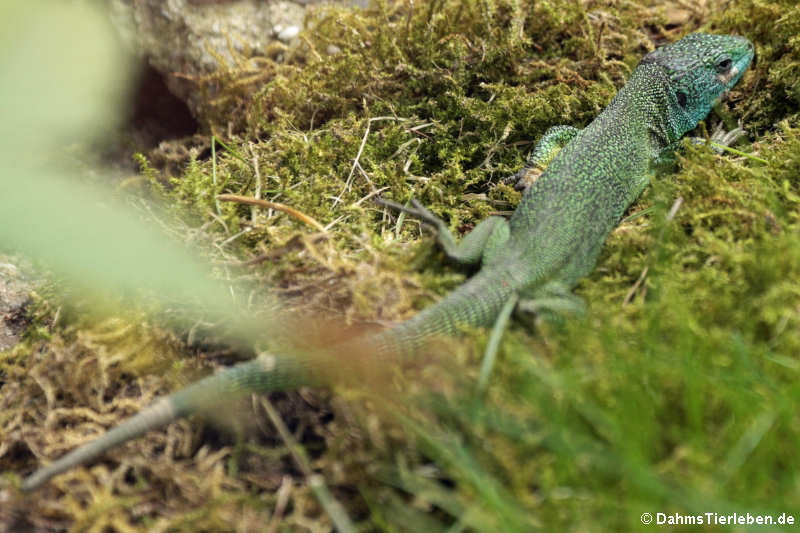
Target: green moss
(774,87)
(674,393)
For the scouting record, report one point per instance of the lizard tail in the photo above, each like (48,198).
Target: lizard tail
(265,373)
(157,415)
(476,303)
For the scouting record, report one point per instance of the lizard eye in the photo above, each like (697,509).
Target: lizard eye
(724,66)
(683,99)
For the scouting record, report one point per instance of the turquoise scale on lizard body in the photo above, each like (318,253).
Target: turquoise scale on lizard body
(589,179)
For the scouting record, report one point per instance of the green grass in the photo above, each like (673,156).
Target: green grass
(676,392)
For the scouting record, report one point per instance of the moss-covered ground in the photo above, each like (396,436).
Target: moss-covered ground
(675,393)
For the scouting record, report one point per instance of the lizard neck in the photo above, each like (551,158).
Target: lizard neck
(648,99)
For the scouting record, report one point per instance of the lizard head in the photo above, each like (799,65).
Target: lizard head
(701,68)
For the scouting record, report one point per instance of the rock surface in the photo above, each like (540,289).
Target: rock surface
(184,39)
(14,295)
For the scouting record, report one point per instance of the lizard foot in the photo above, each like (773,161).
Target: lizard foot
(550,308)
(558,304)
(523,178)
(417,210)
(726,138)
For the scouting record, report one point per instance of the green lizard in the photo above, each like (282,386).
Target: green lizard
(589,179)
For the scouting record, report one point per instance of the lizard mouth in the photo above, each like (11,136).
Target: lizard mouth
(728,77)
(723,97)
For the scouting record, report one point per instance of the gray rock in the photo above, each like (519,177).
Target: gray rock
(186,38)
(14,296)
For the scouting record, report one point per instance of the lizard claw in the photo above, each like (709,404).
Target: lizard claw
(417,210)
(720,136)
(523,178)
(513,178)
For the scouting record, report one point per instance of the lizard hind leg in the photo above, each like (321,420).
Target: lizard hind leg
(551,303)
(480,245)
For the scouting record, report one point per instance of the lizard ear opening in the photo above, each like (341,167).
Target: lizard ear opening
(683,99)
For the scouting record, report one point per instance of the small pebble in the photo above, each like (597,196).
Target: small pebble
(288,33)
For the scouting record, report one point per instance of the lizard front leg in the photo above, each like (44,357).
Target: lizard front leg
(666,158)
(545,150)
